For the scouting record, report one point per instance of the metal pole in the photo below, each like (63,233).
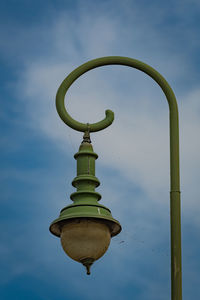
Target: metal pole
(175,214)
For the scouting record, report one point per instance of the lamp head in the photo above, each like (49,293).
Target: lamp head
(85,239)
(85,227)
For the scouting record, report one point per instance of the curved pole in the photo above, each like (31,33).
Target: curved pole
(175,216)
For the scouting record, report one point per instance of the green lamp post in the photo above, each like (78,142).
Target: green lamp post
(86,227)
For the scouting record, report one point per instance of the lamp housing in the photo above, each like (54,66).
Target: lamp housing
(85,227)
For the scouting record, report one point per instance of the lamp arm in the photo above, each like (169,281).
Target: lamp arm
(103,61)
(176,273)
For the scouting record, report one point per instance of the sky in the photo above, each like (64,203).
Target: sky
(41,43)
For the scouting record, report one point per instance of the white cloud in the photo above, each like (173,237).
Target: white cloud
(137,144)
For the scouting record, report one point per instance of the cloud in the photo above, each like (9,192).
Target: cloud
(137,144)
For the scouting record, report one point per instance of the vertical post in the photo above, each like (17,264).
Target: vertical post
(175,209)
(176,278)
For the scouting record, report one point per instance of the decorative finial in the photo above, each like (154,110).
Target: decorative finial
(87,262)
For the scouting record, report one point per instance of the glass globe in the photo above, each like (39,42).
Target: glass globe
(85,240)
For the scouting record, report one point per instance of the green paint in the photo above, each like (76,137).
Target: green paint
(175,210)
(85,198)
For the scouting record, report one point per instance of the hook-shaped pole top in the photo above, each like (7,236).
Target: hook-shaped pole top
(103,61)
(60,102)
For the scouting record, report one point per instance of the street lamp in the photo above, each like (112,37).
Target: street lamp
(85,227)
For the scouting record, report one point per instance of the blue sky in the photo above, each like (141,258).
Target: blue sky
(41,43)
